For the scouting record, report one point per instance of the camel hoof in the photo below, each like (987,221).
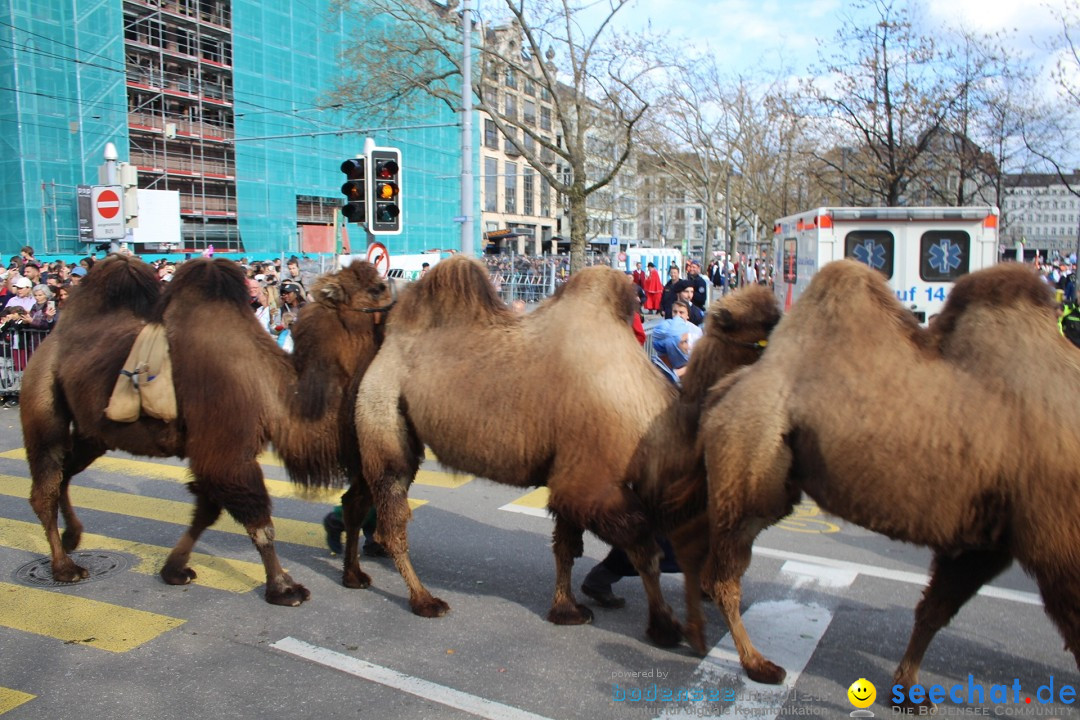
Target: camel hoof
(356,579)
(431,608)
(695,637)
(173,576)
(69,572)
(290,596)
(570,614)
(767,673)
(664,632)
(70,539)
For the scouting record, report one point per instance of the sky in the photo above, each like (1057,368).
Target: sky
(748,35)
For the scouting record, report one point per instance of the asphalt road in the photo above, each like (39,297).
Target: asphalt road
(831,602)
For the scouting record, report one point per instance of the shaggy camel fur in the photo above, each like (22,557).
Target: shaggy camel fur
(936,437)
(235,391)
(562,397)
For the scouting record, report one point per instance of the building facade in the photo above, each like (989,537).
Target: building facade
(1039,210)
(221,101)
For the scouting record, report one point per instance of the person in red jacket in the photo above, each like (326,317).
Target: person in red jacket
(654,288)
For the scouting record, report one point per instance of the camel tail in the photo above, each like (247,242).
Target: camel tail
(457,291)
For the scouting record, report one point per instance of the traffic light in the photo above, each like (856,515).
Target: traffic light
(355,207)
(385,164)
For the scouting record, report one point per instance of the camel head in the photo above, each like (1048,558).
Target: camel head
(337,334)
(736,334)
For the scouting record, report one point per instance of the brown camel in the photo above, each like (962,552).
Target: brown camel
(235,391)
(562,397)
(948,437)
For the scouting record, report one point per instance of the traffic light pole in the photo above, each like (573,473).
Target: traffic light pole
(466,132)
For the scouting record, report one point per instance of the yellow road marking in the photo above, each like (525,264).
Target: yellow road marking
(148,470)
(174,512)
(538,498)
(220,573)
(78,620)
(11,699)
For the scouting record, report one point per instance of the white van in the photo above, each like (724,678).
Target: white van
(921,250)
(662,258)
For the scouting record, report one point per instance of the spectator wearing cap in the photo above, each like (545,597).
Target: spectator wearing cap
(697,281)
(292,298)
(77,274)
(686,296)
(21,287)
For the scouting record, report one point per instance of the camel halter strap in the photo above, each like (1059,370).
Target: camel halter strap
(383,309)
(758,345)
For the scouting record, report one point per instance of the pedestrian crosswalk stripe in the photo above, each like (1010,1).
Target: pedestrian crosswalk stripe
(534,503)
(11,699)
(173,511)
(78,620)
(215,572)
(277,488)
(450,480)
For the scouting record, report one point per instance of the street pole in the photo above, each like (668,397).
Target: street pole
(466,132)
(111,156)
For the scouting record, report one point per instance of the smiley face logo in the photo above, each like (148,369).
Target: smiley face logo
(862,693)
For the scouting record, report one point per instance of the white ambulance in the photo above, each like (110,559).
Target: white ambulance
(921,250)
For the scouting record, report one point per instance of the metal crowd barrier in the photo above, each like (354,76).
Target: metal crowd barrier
(16,346)
(530,287)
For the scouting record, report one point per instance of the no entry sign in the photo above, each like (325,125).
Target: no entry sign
(106,206)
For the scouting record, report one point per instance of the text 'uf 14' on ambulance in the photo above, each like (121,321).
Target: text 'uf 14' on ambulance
(921,250)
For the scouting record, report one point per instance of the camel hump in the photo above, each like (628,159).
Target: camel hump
(118,281)
(455,291)
(1003,285)
(207,280)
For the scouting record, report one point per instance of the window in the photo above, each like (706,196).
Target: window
(943,255)
(511,188)
(529,87)
(545,197)
(510,78)
(528,112)
(527,188)
(511,107)
(875,248)
(491,135)
(545,118)
(508,144)
(491,184)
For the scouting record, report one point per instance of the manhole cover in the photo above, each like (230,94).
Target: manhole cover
(98,562)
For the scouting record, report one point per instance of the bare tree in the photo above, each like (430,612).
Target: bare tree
(596,79)
(887,101)
(726,144)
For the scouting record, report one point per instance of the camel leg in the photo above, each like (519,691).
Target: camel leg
(241,491)
(691,546)
(567,545)
(82,455)
(724,579)
(662,629)
(1060,591)
(49,492)
(953,581)
(392,507)
(355,504)
(176,571)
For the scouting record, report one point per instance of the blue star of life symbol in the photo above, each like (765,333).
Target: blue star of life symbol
(945,256)
(870,253)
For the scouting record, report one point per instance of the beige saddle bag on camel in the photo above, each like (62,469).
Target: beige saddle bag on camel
(145,384)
